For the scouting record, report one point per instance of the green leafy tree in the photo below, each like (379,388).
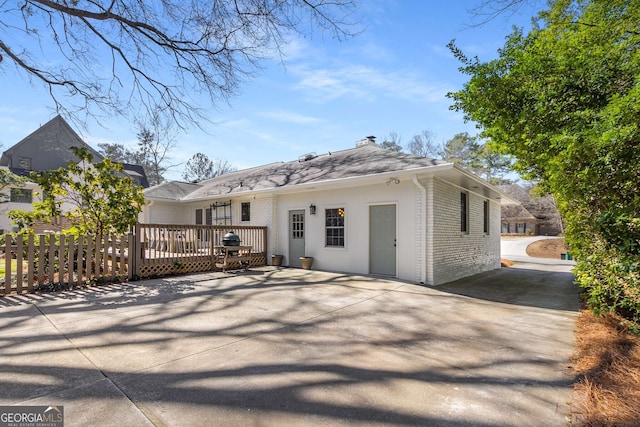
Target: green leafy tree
(462,150)
(117,152)
(563,100)
(493,165)
(9,180)
(97,198)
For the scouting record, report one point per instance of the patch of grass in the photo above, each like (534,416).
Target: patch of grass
(607,364)
(14,265)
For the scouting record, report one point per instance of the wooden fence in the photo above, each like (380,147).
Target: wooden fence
(56,261)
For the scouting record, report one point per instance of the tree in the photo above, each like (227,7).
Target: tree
(152,154)
(563,101)
(424,145)
(156,140)
(462,150)
(492,165)
(9,180)
(128,56)
(392,142)
(199,167)
(117,152)
(96,198)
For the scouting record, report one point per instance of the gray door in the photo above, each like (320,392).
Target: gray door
(382,240)
(296,237)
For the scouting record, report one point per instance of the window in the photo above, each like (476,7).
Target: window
(505,227)
(521,227)
(486,216)
(198,216)
(24,163)
(464,220)
(208,218)
(245,211)
(297,226)
(20,195)
(334,226)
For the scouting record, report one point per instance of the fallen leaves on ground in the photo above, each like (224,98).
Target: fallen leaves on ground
(607,367)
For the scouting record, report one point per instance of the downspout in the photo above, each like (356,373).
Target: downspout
(426,237)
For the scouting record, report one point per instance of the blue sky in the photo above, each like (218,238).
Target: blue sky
(326,95)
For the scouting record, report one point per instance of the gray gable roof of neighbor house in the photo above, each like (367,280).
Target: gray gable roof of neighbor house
(49,148)
(515,213)
(46,148)
(356,162)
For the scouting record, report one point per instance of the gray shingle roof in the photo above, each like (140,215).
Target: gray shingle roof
(355,162)
(172,190)
(47,147)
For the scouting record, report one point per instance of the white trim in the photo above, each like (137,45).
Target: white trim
(422,229)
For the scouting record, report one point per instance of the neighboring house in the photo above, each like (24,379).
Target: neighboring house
(515,219)
(534,215)
(47,148)
(363,210)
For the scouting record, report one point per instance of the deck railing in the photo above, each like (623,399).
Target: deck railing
(51,261)
(178,248)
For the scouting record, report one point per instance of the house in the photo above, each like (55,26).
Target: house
(516,219)
(48,148)
(363,210)
(535,215)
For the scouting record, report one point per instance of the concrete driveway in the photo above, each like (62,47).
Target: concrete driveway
(296,348)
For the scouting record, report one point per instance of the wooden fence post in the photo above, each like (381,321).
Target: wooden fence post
(19,253)
(30,262)
(132,257)
(7,263)
(41,258)
(51,255)
(61,261)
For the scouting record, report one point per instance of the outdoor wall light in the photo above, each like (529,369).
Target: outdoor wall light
(312,209)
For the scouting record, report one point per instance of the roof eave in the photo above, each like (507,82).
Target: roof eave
(328,183)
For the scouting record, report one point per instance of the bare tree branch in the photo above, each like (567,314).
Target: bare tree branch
(134,57)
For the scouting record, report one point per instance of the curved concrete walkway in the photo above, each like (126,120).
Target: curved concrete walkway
(292,347)
(515,249)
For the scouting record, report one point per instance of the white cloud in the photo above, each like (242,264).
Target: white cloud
(289,117)
(356,81)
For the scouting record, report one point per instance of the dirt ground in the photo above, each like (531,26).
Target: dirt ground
(606,362)
(548,248)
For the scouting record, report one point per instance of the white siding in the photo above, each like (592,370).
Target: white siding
(166,213)
(354,257)
(6,223)
(457,254)
(263,212)
(431,249)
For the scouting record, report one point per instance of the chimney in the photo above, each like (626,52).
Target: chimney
(369,140)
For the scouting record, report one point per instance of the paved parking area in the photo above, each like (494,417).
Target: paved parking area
(292,347)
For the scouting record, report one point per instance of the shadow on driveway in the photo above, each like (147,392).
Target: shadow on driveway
(523,284)
(295,347)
